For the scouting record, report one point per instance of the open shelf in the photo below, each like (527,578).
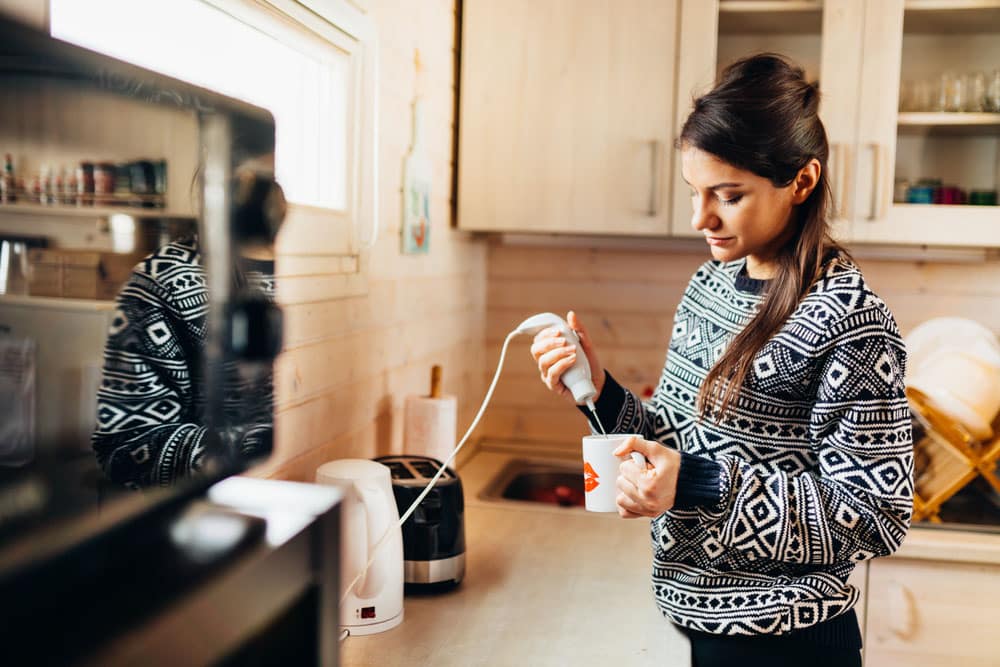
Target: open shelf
(928,118)
(91,212)
(801,17)
(949,123)
(56,302)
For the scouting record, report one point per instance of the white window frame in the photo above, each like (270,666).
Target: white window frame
(345,25)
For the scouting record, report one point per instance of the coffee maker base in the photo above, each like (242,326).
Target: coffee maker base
(434,571)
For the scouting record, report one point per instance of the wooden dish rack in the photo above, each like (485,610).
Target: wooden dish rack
(953,458)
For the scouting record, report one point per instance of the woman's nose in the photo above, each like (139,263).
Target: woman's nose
(704,217)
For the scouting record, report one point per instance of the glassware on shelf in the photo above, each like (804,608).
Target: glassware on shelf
(992,100)
(975,98)
(951,92)
(900,191)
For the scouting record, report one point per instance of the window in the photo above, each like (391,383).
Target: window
(317,79)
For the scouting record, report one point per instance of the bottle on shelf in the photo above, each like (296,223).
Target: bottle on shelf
(47,185)
(85,184)
(8,184)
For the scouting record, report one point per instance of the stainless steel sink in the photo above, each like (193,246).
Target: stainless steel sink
(557,483)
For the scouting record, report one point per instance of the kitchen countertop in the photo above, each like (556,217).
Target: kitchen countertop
(546,585)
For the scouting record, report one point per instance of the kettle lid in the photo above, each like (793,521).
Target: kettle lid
(351,470)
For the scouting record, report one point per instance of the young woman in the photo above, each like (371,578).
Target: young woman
(778,440)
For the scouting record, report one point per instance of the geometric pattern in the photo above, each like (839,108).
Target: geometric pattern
(815,455)
(150,422)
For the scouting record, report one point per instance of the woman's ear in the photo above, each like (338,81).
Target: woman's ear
(806,181)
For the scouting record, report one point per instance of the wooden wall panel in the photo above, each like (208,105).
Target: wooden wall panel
(627,300)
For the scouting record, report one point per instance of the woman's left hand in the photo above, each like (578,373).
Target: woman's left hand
(650,491)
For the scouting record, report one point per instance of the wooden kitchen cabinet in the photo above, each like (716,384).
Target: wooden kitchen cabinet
(567,116)
(918,40)
(932,613)
(860,51)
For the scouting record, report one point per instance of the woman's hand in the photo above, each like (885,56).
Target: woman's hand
(650,490)
(554,356)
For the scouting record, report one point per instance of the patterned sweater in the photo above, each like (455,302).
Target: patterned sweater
(808,473)
(150,405)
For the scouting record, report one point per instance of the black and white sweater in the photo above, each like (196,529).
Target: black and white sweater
(150,405)
(809,472)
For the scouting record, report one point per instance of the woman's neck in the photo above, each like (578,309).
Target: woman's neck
(761,269)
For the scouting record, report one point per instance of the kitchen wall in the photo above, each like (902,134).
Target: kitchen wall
(627,298)
(350,362)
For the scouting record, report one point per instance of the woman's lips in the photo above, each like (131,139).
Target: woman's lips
(719,240)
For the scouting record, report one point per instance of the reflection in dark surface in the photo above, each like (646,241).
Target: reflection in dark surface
(181,383)
(151,428)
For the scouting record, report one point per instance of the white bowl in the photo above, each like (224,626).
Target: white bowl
(962,386)
(936,335)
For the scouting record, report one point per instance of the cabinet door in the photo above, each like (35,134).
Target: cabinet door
(696,70)
(926,613)
(566,115)
(840,71)
(822,37)
(871,182)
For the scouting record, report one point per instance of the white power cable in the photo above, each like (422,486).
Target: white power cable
(430,485)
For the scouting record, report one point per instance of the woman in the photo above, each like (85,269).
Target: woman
(778,440)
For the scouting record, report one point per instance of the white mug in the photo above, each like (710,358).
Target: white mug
(600,470)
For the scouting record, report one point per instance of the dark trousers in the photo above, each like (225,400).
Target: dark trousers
(724,651)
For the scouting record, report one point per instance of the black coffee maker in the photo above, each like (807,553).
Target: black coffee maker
(434,535)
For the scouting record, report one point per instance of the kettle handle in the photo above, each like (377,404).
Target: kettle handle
(378,519)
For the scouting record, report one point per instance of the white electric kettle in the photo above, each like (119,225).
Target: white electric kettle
(375,602)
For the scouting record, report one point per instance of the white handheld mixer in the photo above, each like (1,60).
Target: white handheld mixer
(577,377)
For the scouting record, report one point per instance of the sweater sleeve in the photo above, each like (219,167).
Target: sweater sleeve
(147,429)
(858,503)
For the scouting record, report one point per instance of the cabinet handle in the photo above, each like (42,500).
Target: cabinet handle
(654,177)
(842,169)
(873,209)
(902,614)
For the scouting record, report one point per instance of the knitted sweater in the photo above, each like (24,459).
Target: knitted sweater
(150,405)
(808,473)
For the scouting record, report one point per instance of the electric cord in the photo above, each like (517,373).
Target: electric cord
(430,485)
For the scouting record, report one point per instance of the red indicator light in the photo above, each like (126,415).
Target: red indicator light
(368,612)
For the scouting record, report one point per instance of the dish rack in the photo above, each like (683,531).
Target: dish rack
(947,458)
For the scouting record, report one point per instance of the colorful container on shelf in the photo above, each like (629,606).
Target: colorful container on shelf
(983,197)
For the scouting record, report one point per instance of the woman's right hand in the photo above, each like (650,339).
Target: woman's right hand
(554,355)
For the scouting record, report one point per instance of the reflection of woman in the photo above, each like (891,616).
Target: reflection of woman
(150,422)
(778,440)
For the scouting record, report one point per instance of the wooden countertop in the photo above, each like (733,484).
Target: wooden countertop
(555,586)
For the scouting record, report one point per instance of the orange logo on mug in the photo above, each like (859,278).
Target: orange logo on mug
(590,478)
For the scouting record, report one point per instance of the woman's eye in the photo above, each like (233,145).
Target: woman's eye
(731,201)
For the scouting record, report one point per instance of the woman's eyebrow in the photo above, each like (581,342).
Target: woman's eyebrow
(718,186)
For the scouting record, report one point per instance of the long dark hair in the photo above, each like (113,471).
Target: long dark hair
(761,117)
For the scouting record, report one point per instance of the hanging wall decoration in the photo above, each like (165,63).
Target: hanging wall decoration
(416,227)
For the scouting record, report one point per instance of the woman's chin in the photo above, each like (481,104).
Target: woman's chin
(724,254)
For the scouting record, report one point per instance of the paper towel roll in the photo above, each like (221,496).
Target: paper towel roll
(429,426)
